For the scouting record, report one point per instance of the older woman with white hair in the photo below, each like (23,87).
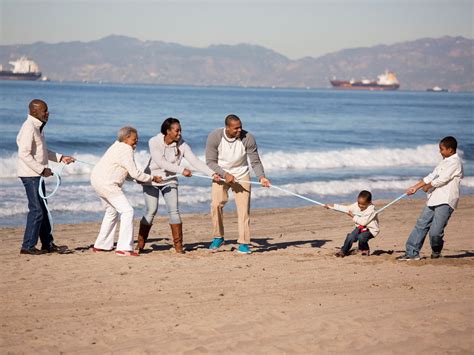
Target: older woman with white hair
(107,179)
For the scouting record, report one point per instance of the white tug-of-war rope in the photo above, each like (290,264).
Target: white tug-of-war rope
(57,175)
(298,195)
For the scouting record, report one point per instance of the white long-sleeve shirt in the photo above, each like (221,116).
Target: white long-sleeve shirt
(109,174)
(231,155)
(166,159)
(33,155)
(366,218)
(445,179)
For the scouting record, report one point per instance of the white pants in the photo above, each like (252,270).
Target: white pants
(113,207)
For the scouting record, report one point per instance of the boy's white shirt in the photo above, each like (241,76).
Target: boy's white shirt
(367,218)
(445,179)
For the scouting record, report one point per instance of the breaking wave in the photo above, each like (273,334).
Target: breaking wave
(423,155)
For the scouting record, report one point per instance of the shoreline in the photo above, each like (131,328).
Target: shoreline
(229,209)
(290,296)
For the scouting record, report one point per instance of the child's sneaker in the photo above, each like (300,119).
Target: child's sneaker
(340,254)
(365,252)
(435,255)
(216,243)
(407,258)
(244,249)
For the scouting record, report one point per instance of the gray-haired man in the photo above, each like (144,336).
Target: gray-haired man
(228,150)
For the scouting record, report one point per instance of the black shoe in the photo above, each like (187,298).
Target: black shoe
(32,251)
(435,255)
(53,248)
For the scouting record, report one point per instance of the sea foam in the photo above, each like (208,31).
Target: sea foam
(423,155)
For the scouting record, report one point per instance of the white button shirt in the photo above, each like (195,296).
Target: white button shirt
(445,179)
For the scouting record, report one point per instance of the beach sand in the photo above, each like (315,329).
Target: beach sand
(290,296)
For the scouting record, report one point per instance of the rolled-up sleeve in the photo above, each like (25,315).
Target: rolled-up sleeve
(428,178)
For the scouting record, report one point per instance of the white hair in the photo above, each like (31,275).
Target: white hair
(125,132)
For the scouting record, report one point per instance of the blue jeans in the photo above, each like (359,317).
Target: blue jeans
(354,236)
(432,220)
(152,195)
(37,222)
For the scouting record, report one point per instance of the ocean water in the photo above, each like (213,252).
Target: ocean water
(324,144)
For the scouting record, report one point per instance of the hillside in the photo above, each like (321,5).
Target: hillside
(419,64)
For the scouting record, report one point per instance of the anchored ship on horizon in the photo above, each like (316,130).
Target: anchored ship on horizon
(23,69)
(386,81)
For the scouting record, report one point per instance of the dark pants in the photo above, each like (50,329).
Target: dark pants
(354,236)
(37,222)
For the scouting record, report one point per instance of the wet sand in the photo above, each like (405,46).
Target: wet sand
(290,296)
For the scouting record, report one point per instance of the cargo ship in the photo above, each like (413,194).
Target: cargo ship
(386,81)
(23,69)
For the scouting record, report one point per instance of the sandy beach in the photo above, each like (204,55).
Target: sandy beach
(290,296)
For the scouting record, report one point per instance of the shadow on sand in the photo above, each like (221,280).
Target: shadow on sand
(465,254)
(261,245)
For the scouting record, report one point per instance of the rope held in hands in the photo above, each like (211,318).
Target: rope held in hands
(57,175)
(301,196)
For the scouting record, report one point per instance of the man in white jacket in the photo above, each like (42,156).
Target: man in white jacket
(33,156)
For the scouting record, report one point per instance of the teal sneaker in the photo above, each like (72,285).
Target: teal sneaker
(216,243)
(244,249)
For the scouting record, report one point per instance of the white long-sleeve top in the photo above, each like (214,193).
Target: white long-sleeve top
(33,155)
(232,155)
(109,174)
(166,159)
(366,218)
(445,179)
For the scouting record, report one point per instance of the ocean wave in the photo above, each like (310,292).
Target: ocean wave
(83,166)
(82,198)
(423,155)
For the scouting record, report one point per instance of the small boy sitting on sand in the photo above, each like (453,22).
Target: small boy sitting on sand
(442,187)
(365,218)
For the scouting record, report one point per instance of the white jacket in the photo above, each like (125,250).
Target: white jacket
(366,218)
(33,155)
(166,159)
(109,174)
(445,179)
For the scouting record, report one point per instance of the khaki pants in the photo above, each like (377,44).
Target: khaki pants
(220,196)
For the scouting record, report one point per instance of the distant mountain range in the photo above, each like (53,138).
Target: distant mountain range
(419,64)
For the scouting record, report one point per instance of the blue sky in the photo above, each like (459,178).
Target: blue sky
(293,28)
